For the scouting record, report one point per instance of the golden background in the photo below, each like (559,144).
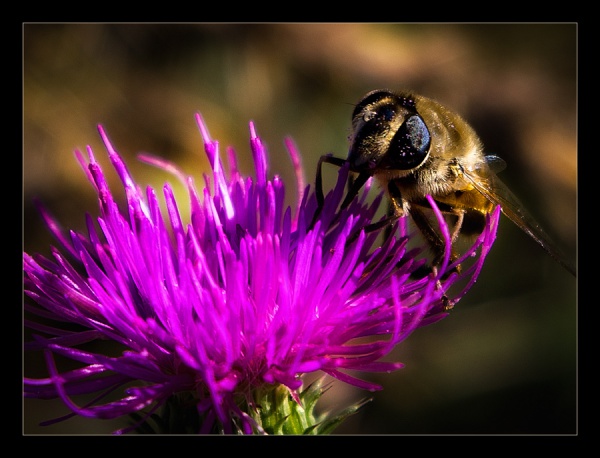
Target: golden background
(504,361)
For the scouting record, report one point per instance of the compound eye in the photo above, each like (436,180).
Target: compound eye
(410,145)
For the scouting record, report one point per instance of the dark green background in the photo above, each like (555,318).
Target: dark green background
(504,361)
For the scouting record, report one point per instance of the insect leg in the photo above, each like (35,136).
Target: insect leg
(319,178)
(458,225)
(431,236)
(319,183)
(393,214)
(353,189)
(436,244)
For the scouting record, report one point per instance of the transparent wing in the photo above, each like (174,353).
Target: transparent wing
(495,163)
(488,184)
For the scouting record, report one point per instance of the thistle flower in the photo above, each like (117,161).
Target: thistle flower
(220,317)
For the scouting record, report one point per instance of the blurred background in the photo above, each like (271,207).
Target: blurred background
(504,361)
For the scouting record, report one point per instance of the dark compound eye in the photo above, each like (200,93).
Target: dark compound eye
(417,134)
(410,145)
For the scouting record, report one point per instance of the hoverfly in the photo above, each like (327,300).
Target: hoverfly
(416,147)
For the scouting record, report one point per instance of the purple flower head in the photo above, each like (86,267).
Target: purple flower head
(246,294)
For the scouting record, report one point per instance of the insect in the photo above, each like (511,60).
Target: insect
(416,147)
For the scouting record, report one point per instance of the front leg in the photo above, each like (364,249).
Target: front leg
(353,188)
(329,159)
